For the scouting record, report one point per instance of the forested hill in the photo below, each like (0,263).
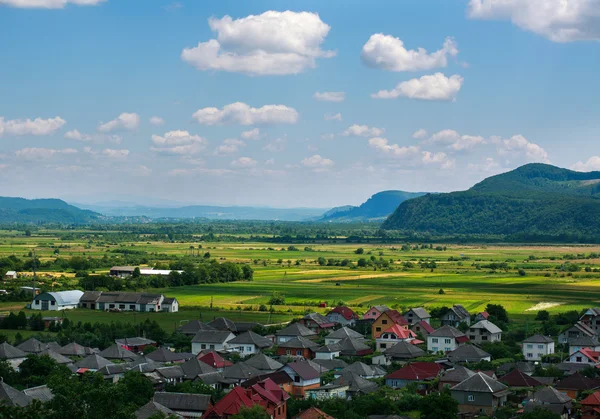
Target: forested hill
(20,210)
(533,200)
(378,206)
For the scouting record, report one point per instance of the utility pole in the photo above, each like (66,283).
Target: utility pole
(34,275)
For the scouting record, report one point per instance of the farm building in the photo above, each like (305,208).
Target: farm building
(128,301)
(10,275)
(125,271)
(61,300)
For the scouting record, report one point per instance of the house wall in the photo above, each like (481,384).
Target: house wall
(483,336)
(483,402)
(327,394)
(441,344)
(418,329)
(396,383)
(197,347)
(245,350)
(535,351)
(338,318)
(382,323)
(579,358)
(304,352)
(326,355)
(372,314)
(331,341)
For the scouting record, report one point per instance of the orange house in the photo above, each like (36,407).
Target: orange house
(386,320)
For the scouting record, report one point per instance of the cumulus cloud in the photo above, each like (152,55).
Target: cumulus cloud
(318,163)
(489,165)
(557,20)
(253,134)
(456,141)
(229,146)
(363,131)
(419,134)
(394,150)
(330,96)
(275,146)
(244,162)
(37,126)
(592,164)
(519,146)
(124,122)
(115,154)
(432,87)
(242,114)
(156,121)
(97,138)
(440,159)
(48,4)
(33,153)
(388,53)
(333,117)
(178,142)
(273,43)
(200,170)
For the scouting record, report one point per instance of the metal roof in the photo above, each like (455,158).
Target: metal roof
(487,325)
(64,298)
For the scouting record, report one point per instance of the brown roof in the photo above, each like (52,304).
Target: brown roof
(313,413)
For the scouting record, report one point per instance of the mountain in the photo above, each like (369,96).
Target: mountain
(378,206)
(20,210)
(210,212)
(532,200)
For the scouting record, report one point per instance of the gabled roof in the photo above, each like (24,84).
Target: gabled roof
(457,374)
(223,324)
(589,354)
(404,350)
(278,377)
(210,378)
(481,383)
(194,326)
(299,342)
(213,336)
(460,311)
(173,371)
(75,349)
(263,363)
(345,312)
(296,329)
(41,393)
(318,318)
(245,326)
(240,371)
(153,408)
(313,413)
(517,378)
(357,383)
(185,402)
(61,359)
(398,330)
(304,369)
(549,395)
(395,317)
(117,352)
(251,338)
(354,347)
(213,359)
(7,351)
(592,400)
(428,328)
(487,325)
(538,339)
(329,349)
(420,312)
(32,346)
(163,354)
(344,332)
(231,404)
(577,382)
(194,367)
(90,296)
(12,396)
(364,370)
(447,332)
(484,314)
(588,341)
(380,308)
(137,341)
(417,371)
(331,364)
(467,353)
(93,362)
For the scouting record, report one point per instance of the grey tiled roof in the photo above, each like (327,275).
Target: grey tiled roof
(211,336)
(295,329)
(467,353)
(153,408)
(263,363)
(93,362)
(447,332)
(404,350)
(480,383)
(250,337)
(12,396)
(344,332)
(538,339)
(41,393)
(184,402)
(7,351)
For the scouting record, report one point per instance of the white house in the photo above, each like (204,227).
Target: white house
(330,351)
(391,336)
(535,347)
(445,339)
(485,331)
(584,356)
(170,305)
(128,301)
(10,275)
(55,301)
(215,340)
(249,343)
(343,333)
(583,343)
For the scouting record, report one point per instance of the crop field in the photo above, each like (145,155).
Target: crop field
(523,279)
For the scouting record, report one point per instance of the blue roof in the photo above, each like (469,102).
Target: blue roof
(65,297)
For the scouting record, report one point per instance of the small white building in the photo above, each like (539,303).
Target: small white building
(10,275)
(535,347)
(55,301)
(215,340)
(485,331)
(445,339)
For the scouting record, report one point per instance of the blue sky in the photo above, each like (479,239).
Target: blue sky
(501,83)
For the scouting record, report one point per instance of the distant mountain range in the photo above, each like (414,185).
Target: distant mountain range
(20,210)
(535,199)
(377,207)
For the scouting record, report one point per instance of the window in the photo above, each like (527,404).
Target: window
(37,302)
(111,306)
(472,337)
(383,346)
(203,346)
(378,329)
(212,346)
(288,352)
(52,303)
(434,349)
(249,348)
(434,340)
(84,305)
(131,306)
(540,346)
(447,341)
(578,359)
(447,349)
(529,355)
(484,338)
(471,398)
(384,321)
(296,379)
(529,346)
(299,352)
(122,306)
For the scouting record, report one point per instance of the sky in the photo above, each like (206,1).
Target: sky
(284,103)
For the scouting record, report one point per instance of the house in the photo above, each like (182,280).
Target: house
(584,342)
(454,376)
(575,384)
(55,301)
(455,316)
(10,275)
(280,378)
(60,359)
(238,373)
(578,330)
(305,377)
(330,364)
(14,356)
(122,271)
(468,354)
(357,385)
(386,320)
(479,394)
(187,405)
(135,345)
(329,391)
(590,406)
(445,339)
(127,301)
(211,339)
(32,346)
(330,351)
(484,331)
(153,409)
(165,355)
(535,347)
(374,312)
(585,356)
(292,331)
(403,351)
(416,315)
(316,322)
(423,328)
(416,372)
(249,343)
(41,393)
(363,370)
(552,400)
(92,363)
(192,368)
(117,352)
(75,349)
(170,305)
(342,315)
(484,315)
(341,334)
(170,375)
(192,327)
(591,318)
(223,324)
(13,397)
(298,346)
(517,378)
(313,413)
(214,360)
(354,347)
(263,363)
(392,335)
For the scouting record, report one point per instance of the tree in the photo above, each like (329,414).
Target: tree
(497,311)
(254,412)
(136,273)
(247,272)
(542,315)
(540,413)
(277,299)
(136,388)
(322,261)
(359,251)
(362,262)
(438,406)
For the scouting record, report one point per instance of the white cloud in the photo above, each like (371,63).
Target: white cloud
(244,162)
(98,138)
(179,142)
(382,145)
(388,53)
(318,163)
(124,122)
(37,126)
(330,96)
(78,136)
(200,170)
(229,146)
(115,154)
(329,136)
(519,146)
(557,20)
(270,162)
(363,131)
(253,134)
(456,141)
(273,43)
(33,153)
(419,134)
(275,146)
(333,117)
(432,87)
(48,4)
(440,159)
(489,165)
(592,164)
(142,170)
(157,121)
(242,114)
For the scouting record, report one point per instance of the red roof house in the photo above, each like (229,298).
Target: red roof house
(517,378)
(415,372)
(313,413)
(423,328)
(342,315)
(590,406)
(214,360)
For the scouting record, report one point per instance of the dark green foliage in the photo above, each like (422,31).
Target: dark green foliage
(19,210)
(540,413)
(438,406)
(254,412)
(498,312)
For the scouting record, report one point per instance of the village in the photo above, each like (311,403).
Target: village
(340,356)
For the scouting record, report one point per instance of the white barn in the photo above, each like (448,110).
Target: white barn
(55,301)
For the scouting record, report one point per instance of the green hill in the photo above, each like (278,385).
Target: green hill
(20,210)
(378,206)
(535,200)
